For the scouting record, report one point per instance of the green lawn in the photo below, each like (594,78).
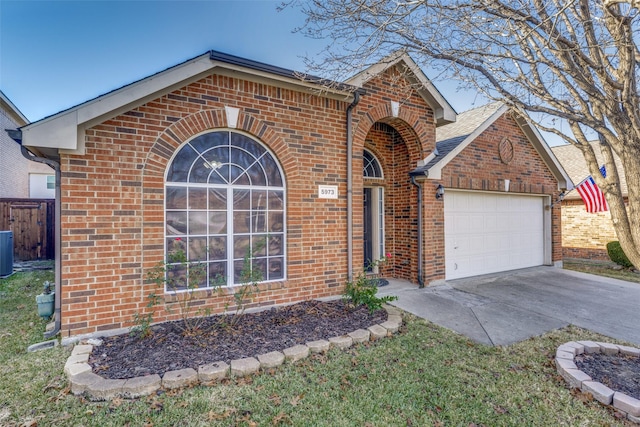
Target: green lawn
(424,376)
(602,269)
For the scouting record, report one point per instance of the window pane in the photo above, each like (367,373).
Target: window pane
(220,175)
(197,198)
(197,275)
(241,221)
(217,222)
(176,223)
(180,165)
(218,273)
(241,158)
(176,197)
(197,249)
(276,200)
(197,223)
(260,269)
(204,142)
(257,174)
(238,176)
(217,199)
(237,271)
(176,249)
(217,248)
(176,278)
(272,171)
(258,199)
(259,247)
(276,221)
(200,171)
(275,245)
(258,222)
(275,268)
(241,200)
(241,246)
(248,144)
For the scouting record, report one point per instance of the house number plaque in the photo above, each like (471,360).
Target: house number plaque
(327,191)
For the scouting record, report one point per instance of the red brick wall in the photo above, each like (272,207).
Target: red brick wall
(399,143)
(479,167)
(113,207)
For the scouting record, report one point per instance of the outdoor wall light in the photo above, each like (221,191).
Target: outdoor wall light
(439,192)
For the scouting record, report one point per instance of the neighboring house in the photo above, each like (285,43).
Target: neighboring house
(19,177)
(584,235)
(220,153)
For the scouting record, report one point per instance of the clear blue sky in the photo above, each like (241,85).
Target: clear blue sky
(57,54)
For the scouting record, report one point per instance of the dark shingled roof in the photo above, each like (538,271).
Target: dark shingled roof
(448,137)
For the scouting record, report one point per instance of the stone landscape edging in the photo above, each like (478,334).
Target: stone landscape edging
(85,382)
(565,364)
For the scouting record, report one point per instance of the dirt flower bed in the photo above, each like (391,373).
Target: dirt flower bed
(168,348)
(618,372)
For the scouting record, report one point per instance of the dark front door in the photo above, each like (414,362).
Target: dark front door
(368,228)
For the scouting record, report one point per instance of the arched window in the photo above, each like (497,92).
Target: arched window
(370,165)
(224,204)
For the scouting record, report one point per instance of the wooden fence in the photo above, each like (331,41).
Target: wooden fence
(33,224)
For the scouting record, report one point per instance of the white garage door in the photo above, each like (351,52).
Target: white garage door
(486,233)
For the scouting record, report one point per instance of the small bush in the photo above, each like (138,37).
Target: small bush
(617,254)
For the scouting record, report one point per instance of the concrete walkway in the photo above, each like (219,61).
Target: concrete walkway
(501,309)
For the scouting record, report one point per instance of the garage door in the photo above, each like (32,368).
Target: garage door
(487,233)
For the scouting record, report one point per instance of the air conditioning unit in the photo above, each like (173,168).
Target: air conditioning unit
(6,253)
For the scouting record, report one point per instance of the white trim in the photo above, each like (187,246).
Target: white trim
(65,130)
(395,108)
(443,111)
(232,116)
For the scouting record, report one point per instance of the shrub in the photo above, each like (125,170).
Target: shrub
(363,290)
(617,254)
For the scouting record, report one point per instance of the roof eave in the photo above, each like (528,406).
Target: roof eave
(552,162)
(443,111)
(65,130)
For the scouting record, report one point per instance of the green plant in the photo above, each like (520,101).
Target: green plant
(249,279)
(617,255)
(182,278)
(363,289)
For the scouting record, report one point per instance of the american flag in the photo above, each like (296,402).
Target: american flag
(592,196)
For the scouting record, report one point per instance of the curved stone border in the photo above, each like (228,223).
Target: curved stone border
(565,364)
(85,382)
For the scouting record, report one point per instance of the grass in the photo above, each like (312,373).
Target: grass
(423,376)
(601,269)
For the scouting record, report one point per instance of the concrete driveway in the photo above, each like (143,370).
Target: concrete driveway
(501,309)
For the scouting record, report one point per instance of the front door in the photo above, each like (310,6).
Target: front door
(368,228)
(373,226)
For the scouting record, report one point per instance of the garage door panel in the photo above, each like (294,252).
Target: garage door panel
(486,233)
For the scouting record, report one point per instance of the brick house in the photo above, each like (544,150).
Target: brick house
(20,178)
(584,235)
(218,154)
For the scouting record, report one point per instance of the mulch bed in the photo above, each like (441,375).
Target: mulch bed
(168,348)
(618,372)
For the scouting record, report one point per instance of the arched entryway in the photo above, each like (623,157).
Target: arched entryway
(389,200)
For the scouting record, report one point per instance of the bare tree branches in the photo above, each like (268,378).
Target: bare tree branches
(574,60)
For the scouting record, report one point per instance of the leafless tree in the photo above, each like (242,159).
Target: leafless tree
(560,61)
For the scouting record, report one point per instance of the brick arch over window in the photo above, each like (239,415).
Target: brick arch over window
(411,126)
(188,127)
(168,142)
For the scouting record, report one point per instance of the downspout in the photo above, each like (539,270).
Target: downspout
(420,273)
(356,100)
(58,233)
